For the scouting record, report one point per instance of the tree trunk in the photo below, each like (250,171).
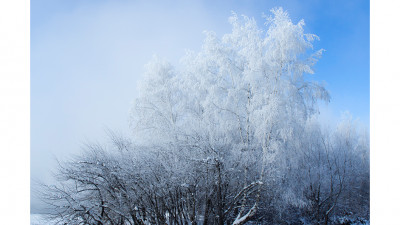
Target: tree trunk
(220,211)
(206,211)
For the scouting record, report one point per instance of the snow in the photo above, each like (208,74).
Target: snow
(38,219)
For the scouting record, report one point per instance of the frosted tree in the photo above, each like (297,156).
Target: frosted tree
(241,97)
(230,137)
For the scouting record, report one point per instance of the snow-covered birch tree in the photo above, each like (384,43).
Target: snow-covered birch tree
(237,102)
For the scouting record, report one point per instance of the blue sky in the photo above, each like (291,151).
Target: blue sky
(87,56)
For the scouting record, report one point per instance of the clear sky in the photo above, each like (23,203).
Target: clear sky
(87,56)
